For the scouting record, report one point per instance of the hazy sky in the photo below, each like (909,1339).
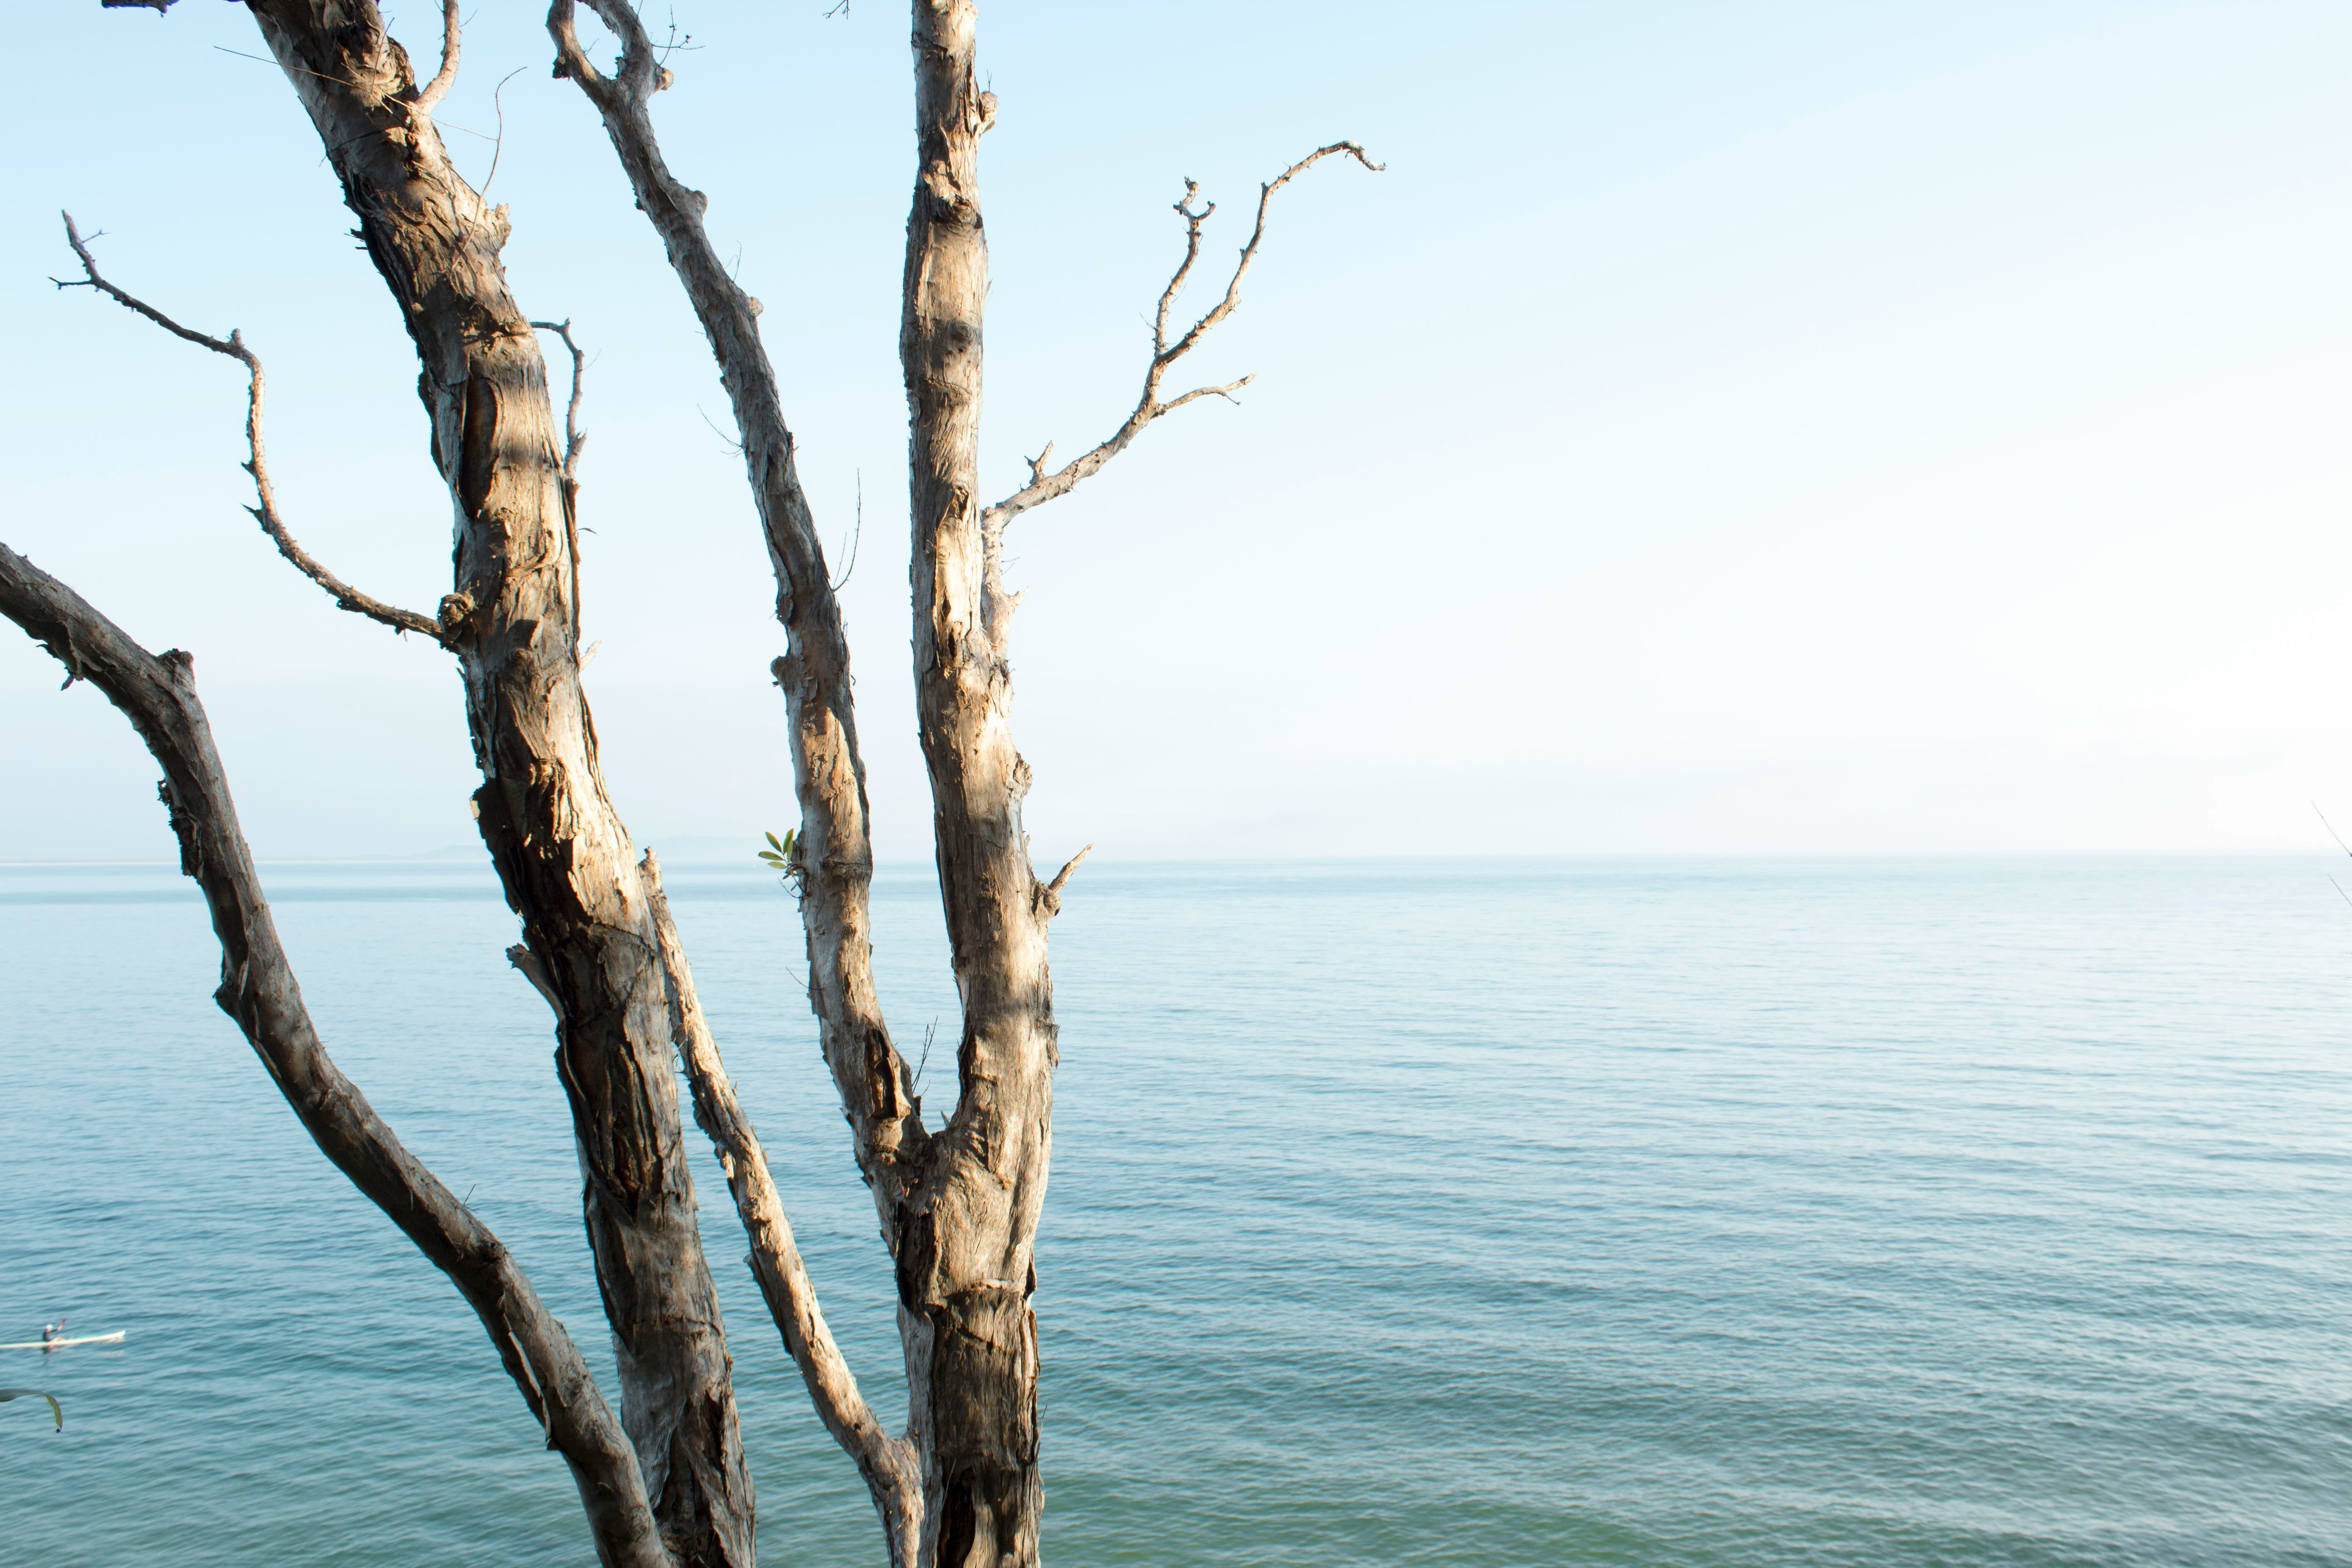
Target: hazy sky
(1725,428)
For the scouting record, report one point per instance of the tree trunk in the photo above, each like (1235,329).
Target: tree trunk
(965,1253)
(561,852)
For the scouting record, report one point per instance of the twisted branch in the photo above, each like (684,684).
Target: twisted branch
(1044,486)
(346,597)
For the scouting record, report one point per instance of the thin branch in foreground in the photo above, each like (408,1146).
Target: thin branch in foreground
(2331,829)
(498,143)
(574,439)
(888,1464)
(258,990)
(433,92)
(857,535)
(257,463)
(1044,486)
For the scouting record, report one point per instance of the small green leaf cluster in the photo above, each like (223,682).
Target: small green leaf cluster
(778,857)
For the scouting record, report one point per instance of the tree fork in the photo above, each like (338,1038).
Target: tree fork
(562,854)
(260,992)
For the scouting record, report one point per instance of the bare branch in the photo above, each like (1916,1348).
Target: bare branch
(1225,392)
(838,849)
(1050,895)
(2331,829)
(257,464)
(1192,222)
(1226,306)
(526,963)
(498,143)
(1062,877)
(433,92)
(574,438)
(888,1464)
(856,536)
(1044,486)
(641,75)
(258,990)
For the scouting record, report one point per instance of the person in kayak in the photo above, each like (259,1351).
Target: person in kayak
(50,1331)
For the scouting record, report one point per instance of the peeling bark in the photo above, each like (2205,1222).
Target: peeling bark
(966,1267)
(258,990)
(561,852)
(959,1208)
(835,853)
(837,849)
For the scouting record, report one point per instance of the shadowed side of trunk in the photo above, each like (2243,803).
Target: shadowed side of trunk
(561,852)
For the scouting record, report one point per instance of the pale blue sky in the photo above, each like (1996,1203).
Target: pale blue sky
(1725,428)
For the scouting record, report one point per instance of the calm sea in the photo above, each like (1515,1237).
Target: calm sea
(1859,1212)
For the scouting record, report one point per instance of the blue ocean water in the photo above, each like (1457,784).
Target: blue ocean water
(1959,1212)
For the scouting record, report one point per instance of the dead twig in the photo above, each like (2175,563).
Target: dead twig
(1050,895)
(257,465)
(574,439)
(498,144)
(1043,486)
(856,534)
(732,445)
(2316,811)
(2331,829)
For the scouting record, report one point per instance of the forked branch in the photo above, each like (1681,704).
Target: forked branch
(1043,486)
(257,463)
(574,438)
(258,990)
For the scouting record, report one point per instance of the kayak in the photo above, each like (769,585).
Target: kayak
(114,1339)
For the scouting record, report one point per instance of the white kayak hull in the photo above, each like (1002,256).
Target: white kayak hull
(114,1339)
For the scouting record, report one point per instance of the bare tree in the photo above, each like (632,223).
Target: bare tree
(959,1206)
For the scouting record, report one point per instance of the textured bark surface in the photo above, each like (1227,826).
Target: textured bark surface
(834,856)
(888,1464)
(560,850)
(258,990)
(835,846)
(965,1251)
(958,1208)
